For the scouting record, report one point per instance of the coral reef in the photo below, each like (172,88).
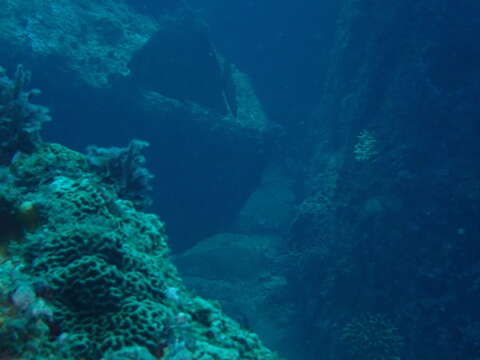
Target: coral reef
(25,317)
(161,70)
(96,275)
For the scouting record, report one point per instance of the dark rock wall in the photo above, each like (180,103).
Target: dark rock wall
(188,73)
(388,230)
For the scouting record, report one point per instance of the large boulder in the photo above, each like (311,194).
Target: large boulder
(155,78)
(242,272)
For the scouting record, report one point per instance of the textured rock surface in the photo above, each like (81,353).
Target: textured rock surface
(95,39)
(390,211)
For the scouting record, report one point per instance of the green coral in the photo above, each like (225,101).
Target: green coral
(105,262)
(112,284)
(49,160)
(366,146)
(372,337)
(20,120)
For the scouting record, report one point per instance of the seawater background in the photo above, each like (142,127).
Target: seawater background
(355,234)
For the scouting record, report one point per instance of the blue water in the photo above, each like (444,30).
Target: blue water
(342,224)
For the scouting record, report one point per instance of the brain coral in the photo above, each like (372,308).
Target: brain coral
(97,269)
(109,273)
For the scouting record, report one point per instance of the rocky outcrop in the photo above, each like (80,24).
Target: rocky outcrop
(96,40)
(157,78)
(241,272)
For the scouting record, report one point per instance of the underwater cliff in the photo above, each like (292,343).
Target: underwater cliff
(314,164)
(387,231)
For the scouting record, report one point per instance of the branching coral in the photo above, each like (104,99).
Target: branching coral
(20,120)
(124,167)
(372,337)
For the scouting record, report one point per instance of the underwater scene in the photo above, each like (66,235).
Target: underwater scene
(239,180)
